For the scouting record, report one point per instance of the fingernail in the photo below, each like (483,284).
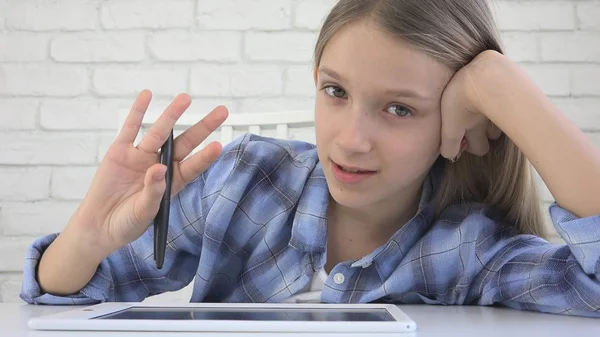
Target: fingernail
(160,174)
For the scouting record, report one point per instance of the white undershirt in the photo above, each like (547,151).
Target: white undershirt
(312,292)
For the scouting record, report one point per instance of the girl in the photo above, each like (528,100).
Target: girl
(374,212)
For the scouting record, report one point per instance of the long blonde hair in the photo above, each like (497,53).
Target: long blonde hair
(454,32)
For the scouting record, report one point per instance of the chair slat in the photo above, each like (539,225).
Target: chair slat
(282,131)
(226,134)
(255,129)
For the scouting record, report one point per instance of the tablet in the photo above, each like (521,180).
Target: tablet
(230,317)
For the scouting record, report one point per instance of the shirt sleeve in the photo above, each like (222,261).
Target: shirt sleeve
(130,274)
(529,273)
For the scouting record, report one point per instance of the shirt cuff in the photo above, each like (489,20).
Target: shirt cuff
(96,291)
(581,234)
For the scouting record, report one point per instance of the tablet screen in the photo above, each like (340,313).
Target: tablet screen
(252,314)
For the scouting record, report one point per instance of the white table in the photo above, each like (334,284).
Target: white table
(432,321)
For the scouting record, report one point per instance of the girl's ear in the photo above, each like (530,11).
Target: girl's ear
(315,76)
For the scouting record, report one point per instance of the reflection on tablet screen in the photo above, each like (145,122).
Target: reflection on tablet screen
(242,314)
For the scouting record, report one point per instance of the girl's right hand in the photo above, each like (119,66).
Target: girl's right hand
(125,193)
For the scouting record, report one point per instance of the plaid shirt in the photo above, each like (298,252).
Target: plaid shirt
(252,228)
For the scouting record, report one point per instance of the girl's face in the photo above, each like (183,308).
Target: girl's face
(378,110)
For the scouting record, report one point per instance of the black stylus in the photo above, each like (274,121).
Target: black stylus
(161,221)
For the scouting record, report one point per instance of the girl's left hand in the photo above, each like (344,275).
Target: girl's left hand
(464,125)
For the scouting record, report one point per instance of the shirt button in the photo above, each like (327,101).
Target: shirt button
(338,278)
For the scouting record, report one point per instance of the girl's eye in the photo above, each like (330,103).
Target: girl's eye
(335,91)
(399,110)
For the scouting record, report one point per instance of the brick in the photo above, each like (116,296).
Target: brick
(552,79)
(71,183)
(81,114)
(156,14)
(24,183)
(25,148)
(39,15)
(299,81)
(585,80)
(583,112)
(18,114)
(34,219)
(536,15)
(277,46)
(129,81)
(43,80)
(277,104)
(236,81)
(570,47)
(23,47)
(588,14)
(310,14)
(95,47)
(244,14)
(196,46)
(521,47)
(14,248)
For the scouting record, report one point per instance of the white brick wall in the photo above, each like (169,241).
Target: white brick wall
(536,15)
(156,14)
(243,15)
(68,66)
(98,47)
(182,45)
(63,15)
(43,79)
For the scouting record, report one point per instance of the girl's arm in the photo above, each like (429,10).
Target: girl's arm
(565,158)
(525,271)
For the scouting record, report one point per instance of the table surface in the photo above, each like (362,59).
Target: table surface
(431,320)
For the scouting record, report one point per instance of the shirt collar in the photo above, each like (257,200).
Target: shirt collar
(309,229)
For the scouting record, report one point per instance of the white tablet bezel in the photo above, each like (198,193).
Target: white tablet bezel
(80,319)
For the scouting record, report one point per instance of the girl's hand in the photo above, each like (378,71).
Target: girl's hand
(126,191)
(464,126)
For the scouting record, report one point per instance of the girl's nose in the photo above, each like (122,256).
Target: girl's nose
(354,134)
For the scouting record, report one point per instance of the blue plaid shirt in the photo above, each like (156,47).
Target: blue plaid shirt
(253,228)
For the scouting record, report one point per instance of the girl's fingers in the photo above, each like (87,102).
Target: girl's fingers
(148,202)
(453,132)
(195,165)
(186,142)
(155,138)
(479,144)
(451,142)
(133,122)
